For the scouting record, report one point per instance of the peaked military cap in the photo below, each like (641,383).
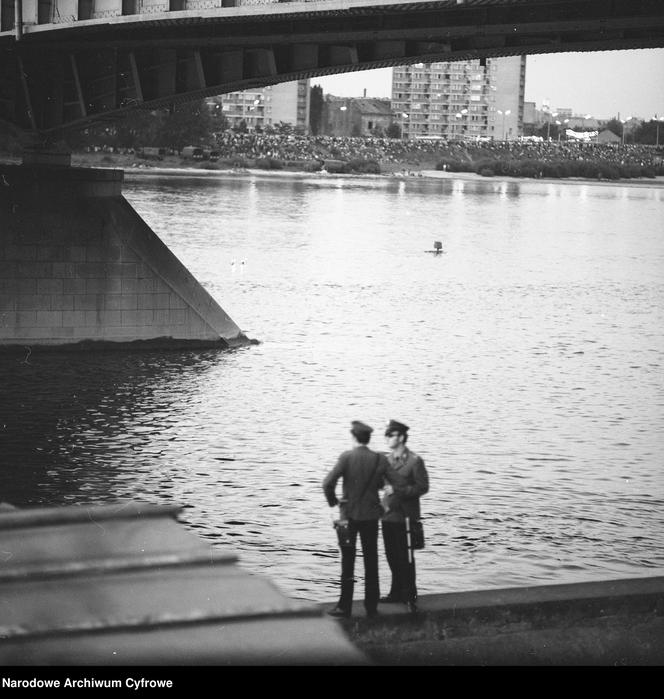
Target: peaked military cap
(395,426)
(358,427)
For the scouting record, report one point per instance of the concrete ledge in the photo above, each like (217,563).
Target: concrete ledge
(47,186)
(614,622)
(159,344)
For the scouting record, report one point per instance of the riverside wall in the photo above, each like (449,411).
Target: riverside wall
(604,623)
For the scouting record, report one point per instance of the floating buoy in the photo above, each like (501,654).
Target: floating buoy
(437,248)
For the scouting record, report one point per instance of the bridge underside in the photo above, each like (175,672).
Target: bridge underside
(59,77)
(78,266)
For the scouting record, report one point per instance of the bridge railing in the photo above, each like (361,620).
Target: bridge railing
(67,11)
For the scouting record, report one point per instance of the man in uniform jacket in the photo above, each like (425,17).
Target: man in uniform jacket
(363,472)
(398,506)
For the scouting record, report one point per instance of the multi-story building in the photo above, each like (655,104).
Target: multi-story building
(547,115)
(290,104)
(286,103)
(530,118)
(460,99)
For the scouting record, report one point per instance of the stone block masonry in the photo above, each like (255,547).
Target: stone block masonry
(78,266)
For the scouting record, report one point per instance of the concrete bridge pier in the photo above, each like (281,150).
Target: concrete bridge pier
(79,268)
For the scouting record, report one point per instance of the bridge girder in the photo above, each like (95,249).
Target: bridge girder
(66,76)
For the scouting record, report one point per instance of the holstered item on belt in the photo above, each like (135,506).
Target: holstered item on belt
(342,527)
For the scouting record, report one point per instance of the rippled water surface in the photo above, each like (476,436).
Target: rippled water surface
(527,360)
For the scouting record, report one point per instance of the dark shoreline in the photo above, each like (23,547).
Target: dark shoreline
(408,172)
(425,174)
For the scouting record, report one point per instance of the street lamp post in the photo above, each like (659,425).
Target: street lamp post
(461,114)
(658,120)
(624,122)
(504,113)
(254,108)
(343,119)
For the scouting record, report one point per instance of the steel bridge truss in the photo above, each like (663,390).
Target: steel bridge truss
(59,76)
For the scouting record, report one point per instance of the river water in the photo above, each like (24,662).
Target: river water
(527,360)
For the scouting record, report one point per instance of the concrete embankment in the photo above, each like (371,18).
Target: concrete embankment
(615,622)
(79,269)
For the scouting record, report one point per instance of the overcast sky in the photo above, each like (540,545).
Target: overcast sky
(604,84)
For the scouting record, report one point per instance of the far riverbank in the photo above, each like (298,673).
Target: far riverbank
(412,176)
(177,166)
(174,167)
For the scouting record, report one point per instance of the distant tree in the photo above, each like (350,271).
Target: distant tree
(316,109)
(134,129)
(647,132)
(139,128)
(222,124)
(219,120)
(548,130)
(283,128)
(174,127)
(241,127)
(184,125)
(393,130)
(615,126)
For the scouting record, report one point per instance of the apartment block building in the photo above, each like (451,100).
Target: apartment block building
(268,106)
(473,100)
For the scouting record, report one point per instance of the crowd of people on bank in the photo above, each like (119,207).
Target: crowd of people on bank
(630,154)
(294,147)
(299,148)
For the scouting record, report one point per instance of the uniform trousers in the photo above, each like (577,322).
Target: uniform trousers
(403,586)
(368,531)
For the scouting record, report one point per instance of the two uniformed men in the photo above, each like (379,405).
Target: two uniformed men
(364,472)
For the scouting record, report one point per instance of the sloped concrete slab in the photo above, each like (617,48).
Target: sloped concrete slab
(126,584)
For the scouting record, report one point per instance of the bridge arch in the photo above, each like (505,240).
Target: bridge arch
(97,59)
